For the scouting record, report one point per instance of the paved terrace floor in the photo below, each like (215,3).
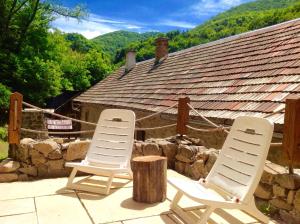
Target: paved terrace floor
(48,201)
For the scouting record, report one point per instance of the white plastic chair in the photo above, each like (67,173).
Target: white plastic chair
(110,150)
(235,175)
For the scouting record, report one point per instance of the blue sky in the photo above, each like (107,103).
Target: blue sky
(141,16)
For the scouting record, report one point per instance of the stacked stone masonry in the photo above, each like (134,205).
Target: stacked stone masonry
(278,192)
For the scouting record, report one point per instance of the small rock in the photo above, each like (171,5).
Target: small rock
(279,191)
(197,170)
(297,201)
(151,149)
(279,203)
(37,158)
(289,217)
(211,161)
(59,173)
(186,153)
(9,166)
(23,177)
(169,150)
(270,171)
(291,197)
(30,170)
(8,177)
(22,153)
(58,140)
(180,167)
(43,171)
(77,150)
(137,148)
(56,154)
(65,146)
(263,191)
(45,147)
(55,164)
(289,181)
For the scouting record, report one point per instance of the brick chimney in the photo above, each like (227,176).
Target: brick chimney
(161,48)
(130,60)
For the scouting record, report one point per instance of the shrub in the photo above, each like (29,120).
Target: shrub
(3,134)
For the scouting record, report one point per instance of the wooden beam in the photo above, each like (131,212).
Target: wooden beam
(15,118)
(291,131)
(183,115)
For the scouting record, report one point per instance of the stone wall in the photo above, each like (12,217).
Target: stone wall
(33,119)
(278,192)
(42,158)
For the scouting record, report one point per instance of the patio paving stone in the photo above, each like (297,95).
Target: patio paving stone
(29,218)
(119,205)
(159,219)
(16,206)
(61,209)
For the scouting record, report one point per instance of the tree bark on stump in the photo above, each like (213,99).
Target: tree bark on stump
(149,178)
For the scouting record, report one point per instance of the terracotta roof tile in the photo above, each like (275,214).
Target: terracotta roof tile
(248,74)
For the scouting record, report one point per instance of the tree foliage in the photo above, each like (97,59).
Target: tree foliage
(41,62)
(114,41)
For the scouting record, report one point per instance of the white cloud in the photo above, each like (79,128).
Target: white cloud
(93,26)
(175,23)
(209,7)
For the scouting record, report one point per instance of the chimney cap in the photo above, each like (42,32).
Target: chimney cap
(161,39)
(130,50)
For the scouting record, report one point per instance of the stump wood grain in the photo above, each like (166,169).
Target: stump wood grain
(149,178)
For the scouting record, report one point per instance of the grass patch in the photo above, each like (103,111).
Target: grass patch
(3,150)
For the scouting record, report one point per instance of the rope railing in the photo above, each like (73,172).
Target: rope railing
(56,132)
(155,128)
(217,127)
(59,115)
(206,130)
(90,123)
(157,113)
(207,120)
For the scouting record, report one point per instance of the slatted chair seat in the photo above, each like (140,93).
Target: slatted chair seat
(110,150)
(235,175)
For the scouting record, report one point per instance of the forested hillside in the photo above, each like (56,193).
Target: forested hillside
(113,41)
(243,18)
(41,63)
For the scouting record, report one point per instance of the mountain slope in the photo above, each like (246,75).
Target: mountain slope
(243,18)
(113,41)
(259,5)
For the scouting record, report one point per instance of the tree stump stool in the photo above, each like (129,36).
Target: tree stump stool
(149,178)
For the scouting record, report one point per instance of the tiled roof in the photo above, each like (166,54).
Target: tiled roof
(248,74)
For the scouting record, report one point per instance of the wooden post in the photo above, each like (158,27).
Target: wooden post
(15,118)
(291,131)
(183,115)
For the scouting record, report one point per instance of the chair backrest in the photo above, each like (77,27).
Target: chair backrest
(240,164)
(112,142)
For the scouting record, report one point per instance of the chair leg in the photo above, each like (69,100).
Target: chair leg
(253,211)
(176,199)
(205,215)
(109,182)
(130,174)
(71,178)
